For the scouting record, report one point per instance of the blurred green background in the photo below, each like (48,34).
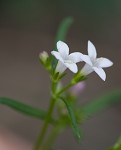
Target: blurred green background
(28,27)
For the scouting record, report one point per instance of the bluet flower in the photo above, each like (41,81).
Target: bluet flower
(66,60)
(96,63)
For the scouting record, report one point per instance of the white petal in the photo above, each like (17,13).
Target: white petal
(57,55)
(72,66)
(75,57)
(91,50)
(60,67)
(100,72)
(86,59)
(63,49)
(104,62)
(87,69)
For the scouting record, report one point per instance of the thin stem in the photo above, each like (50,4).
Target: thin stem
(64,89)
(53,135)
(45,126)
(46,123)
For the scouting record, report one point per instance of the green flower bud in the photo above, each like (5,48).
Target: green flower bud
(43,57)
(78,77)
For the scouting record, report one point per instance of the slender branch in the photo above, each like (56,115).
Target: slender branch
(45,126)
(53,135)
(64,89)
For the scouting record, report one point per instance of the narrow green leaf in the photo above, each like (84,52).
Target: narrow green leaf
(61,34)
(63,29)
(75,126)
(101,103)
(23,108)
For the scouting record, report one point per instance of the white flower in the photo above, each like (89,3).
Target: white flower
(66,60)
(96,63)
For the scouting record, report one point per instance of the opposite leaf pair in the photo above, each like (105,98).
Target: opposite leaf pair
(66,60)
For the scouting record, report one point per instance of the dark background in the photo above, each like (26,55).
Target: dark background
(28,27)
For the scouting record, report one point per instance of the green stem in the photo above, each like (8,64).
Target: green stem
(64,89)
(48,117)
(44,128)
(53,135)
(45,125)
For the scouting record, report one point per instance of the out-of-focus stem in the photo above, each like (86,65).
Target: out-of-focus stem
(44,128)
(53,135)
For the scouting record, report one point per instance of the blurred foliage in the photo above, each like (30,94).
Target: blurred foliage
(62,34)
(117,146)
(91,9)
(24,108)
(101,103)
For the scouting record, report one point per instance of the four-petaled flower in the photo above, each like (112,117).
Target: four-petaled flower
(66,60)
(96,63)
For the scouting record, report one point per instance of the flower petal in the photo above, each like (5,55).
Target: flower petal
(100,72)
(60,67)
(72,66)
(63,49)
(86,59)
(75,57)
(87,69)
(91,50)
(103,62)
(57,55)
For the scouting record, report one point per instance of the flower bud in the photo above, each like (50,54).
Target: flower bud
(78,88)
(43,57)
